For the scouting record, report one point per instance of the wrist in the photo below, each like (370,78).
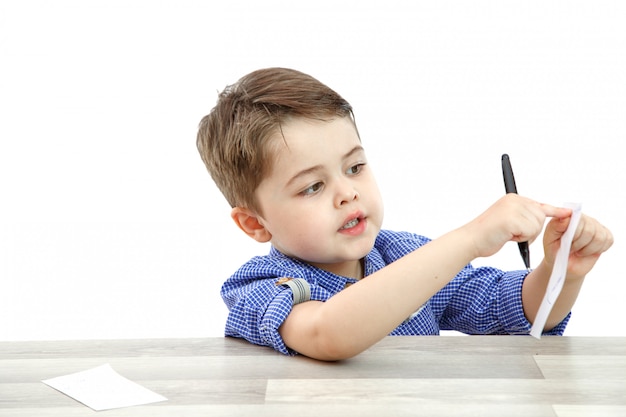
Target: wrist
(467,243)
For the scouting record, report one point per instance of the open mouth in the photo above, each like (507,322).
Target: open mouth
(351,224)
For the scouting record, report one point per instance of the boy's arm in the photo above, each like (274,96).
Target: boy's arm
(590,241)
(361,315)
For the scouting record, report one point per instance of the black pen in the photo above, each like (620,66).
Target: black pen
(509,186)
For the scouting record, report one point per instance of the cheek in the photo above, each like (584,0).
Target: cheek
(301,237)
(307,227)
(295,220)
(310,222)
(373,197)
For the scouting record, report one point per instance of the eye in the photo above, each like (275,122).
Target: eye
(314,188)
(355,169)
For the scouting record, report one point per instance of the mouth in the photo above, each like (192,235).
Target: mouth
(352,223)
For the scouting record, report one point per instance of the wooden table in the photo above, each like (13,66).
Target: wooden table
(400,376)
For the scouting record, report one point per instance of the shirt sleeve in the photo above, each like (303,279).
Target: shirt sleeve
(258,312)
(486,301)
(277,311)
(512,312)
(260,296)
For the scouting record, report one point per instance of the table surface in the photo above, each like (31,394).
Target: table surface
(412,375)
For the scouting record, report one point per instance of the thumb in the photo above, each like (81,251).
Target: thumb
(556,228)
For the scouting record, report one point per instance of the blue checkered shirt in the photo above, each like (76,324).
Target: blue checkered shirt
(481,300)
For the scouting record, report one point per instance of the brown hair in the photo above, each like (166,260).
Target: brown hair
(234,138)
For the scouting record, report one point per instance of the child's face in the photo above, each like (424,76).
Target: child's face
(321,203)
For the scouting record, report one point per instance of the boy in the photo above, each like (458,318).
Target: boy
(284,150)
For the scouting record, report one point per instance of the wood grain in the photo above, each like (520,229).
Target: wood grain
(400,376)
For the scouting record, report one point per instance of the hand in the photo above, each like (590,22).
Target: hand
(590,240)
(511,218)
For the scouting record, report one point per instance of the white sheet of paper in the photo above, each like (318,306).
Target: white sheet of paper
(558,272)
(102,388)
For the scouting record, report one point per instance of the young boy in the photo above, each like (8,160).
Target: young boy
(284,150)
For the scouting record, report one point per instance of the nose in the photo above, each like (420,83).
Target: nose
(346,193)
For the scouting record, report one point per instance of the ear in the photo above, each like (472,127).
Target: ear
(249,222)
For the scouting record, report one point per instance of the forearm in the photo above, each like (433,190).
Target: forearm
(534,289)
(356,318)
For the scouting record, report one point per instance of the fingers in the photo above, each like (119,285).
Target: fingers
(555,229)
(516,218)
(524,218)
(558,212)
(591,238)
(539,211)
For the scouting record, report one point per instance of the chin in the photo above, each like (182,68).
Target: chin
(366,248)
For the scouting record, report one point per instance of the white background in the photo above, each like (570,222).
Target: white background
(110,227)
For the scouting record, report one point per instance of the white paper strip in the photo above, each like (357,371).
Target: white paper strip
(559,271)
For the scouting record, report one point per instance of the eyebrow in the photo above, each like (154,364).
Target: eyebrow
(315,168)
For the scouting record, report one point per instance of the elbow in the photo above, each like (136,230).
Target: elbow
(325,345)
(332,345)
(314,332)
(333,351)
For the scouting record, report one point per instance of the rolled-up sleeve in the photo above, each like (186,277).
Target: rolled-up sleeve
(276,313)
(257,308)
(257,311)
(486,301)
(511,308)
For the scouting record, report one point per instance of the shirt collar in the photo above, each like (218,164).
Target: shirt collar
(335,283)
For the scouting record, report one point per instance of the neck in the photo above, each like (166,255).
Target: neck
(352,269)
